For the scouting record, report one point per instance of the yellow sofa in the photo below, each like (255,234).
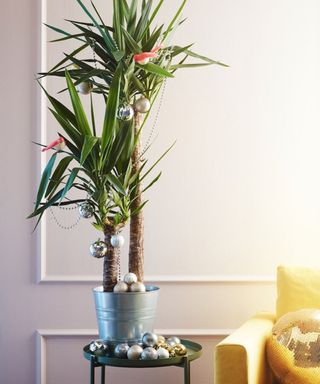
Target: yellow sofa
(241,357)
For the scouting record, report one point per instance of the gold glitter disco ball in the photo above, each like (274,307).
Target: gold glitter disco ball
(293,350)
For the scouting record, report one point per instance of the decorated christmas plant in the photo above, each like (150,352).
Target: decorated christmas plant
(126,64)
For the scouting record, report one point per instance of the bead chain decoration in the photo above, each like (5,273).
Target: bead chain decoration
(55,219)
(93,44)
(118,253)
(156,118)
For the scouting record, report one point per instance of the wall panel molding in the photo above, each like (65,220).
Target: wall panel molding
(43,275)
(43,335)
(168,279)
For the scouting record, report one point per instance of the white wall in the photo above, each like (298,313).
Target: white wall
(239,192)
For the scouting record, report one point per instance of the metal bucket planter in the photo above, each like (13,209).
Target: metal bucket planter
(125,316)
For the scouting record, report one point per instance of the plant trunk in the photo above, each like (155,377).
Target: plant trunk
(110,265)
(136,254)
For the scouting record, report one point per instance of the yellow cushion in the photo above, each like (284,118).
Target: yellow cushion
(298,287)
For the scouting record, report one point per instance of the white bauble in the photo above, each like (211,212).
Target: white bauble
(163,353)
(130,278)
(121,286)
(117,241)
(137,287)
(84,88)
(142,105)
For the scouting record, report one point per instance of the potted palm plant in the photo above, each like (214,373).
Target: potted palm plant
(126,64)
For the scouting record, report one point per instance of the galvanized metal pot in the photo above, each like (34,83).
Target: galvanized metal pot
(125,316)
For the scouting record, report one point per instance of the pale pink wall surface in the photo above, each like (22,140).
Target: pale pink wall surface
(260,205)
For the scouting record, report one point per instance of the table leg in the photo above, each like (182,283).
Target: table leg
(186,365)
(92,367)
(103,374)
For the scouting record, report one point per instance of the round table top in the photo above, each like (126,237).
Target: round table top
(194,351)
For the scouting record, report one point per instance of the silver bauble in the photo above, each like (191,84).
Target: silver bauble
(173,340)
(117,241)
(121,350)
(121,286)
(98,249)
(142,105)
(84,88)
(125,112)
(130,278)
(149,353)
(163,353)
(86,210)
(98,347)
(134,352)
(137,287)
(149,339)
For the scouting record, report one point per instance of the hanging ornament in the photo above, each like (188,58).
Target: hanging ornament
(86,210)
(98,249)
(58,145)
(144,57)
(149,339)
(163,353)
(121,286)
(180,349)
(98,347)
(137,287)
(84,88)
(121,350)
(134,352)
(130,278)
(117,241)
(125,112)
(142,105)
(149,353)
(173,340)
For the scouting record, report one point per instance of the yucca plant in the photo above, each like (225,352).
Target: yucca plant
(126,62)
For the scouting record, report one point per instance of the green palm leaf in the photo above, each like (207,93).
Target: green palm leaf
(111,110)
(57,174)
(89,143)
(45,179)
(81,117)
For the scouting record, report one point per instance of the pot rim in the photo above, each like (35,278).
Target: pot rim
(149,289)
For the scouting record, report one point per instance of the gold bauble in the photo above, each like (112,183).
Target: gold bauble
(161,340)
(180,349)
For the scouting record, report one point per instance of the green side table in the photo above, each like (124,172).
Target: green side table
(194,351)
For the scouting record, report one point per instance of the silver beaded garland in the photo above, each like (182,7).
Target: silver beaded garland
(125,112)
(121,350)
(86,210)
(58,223)
(98,249)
